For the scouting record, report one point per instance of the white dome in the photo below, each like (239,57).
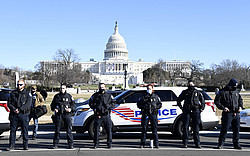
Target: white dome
(116,47)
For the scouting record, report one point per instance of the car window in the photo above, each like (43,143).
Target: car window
(166,95)
(134,96)
(4,96)
(130,97)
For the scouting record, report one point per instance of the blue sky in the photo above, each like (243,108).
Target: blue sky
(206,30)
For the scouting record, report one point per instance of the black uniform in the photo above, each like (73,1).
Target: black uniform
(233,101)
(102,102)
(149,105)
(194,103)
(60,102)
(20,100)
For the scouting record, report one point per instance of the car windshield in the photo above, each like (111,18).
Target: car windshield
(4,95)
(120,95)
(206,96)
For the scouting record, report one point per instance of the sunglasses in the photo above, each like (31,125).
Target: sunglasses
(19,84)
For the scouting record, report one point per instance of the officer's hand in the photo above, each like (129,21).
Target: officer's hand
(16,111)
(56,110)
(68,109)
(240,109)
(226,109)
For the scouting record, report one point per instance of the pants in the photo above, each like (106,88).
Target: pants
(107,125)
(227,119)
(23,121)
(196,119)
(144,123)
(68,126)
(35,129)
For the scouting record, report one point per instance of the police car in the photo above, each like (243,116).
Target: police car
(127,117)
(4,110)
(245,118)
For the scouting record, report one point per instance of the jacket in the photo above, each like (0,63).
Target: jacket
(20,100)
(230,99)
(193,100)
(101,103)
(149,104)
(62,101)
(39,100)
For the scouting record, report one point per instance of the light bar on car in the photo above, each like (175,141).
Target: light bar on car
(211,104)
(5,106)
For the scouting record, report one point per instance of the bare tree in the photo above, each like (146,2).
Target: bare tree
(47,76)
(220,74)
(68,70)
(197,74)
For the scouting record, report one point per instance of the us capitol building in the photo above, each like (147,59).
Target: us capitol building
(111,69)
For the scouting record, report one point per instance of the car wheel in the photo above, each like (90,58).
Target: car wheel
(179,130)
(102,131)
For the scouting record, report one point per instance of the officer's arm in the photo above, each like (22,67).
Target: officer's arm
(111,103)
(217,101)
(180,99)
(91,102)
(53,104)
(10,103)
(28,102)
(202,101)
(72,104)
(140,103)
(240,102)
(159,104)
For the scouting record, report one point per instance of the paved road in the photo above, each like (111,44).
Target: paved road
(125,144)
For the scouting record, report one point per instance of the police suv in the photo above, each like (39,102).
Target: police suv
(4,110)
(127,117)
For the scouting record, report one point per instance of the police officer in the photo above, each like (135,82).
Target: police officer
(194,104)
(19,103)
(63,105)
(229,100)
(149,104)
(37,100)
(102,102)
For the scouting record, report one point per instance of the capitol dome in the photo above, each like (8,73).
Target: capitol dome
(116,47)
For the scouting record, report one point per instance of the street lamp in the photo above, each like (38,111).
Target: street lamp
(125,74)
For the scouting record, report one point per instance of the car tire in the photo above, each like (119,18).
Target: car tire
(103,133)
(179,130)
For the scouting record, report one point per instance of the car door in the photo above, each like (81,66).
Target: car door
(168,112)
(126,111)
